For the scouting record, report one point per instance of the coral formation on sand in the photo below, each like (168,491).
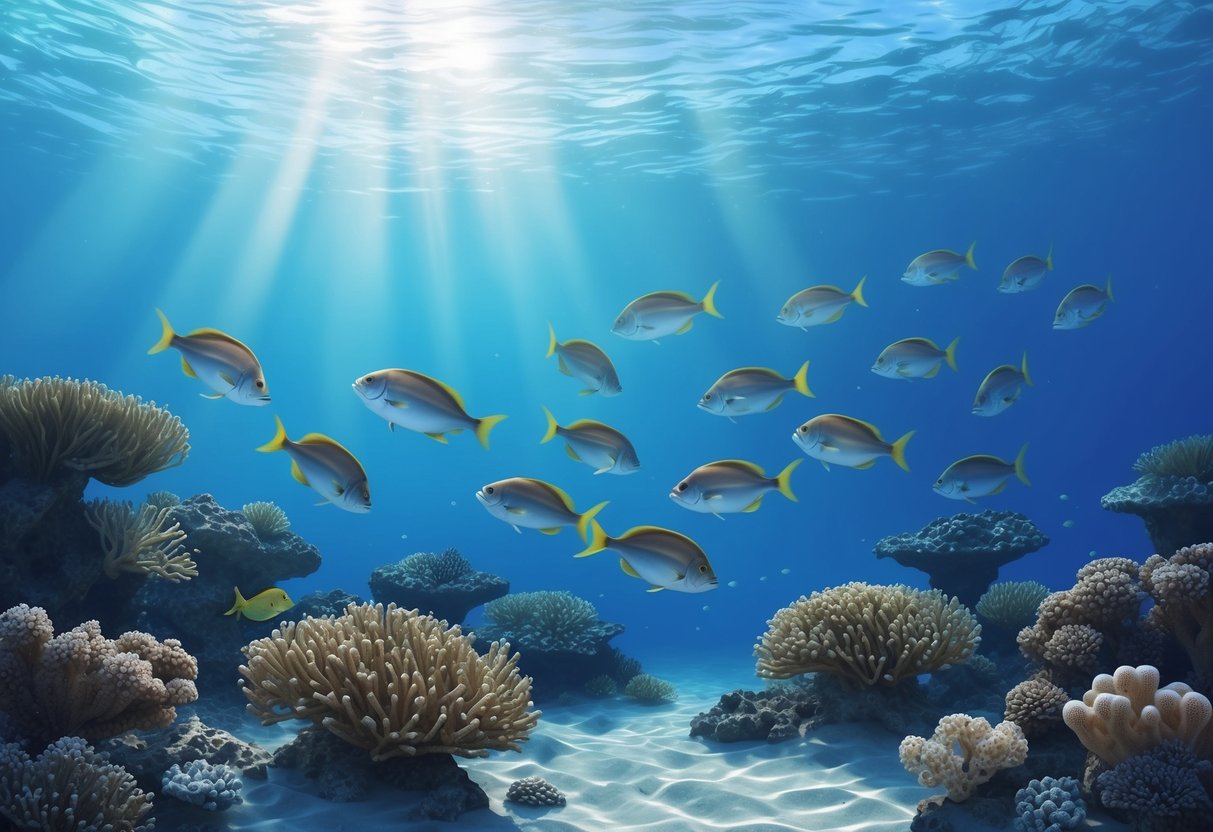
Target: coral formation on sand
(1011,604)
(1051,804)
(963,553)
(534,791)
(213,788)
(601,686)
(1181,587)
(1164,782)
(148,754)
(650,690)
(1035,706)
(445,585)
(267,519)
(868,634)
(772,715)
(392,682)
(144,542)
(1174,495)
(81,683)
(984,750)
(69,787)
(1127,713)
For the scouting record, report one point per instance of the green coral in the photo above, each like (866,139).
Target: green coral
(553,617)
(1012,604)
(1190,457)
(601,687)
(429,569)
(162,499)
(268,520)
(650,690)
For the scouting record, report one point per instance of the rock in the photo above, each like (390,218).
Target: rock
(1178,511)
(148,754)
(534,791)
(772,715)
(445,586)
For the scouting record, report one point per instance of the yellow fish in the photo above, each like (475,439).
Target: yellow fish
(267,604)
(326,467)
(663,558)
(834,439)
(219,361)
(585,361)
(818,305)
(979,476)
(658,314)
(420,403)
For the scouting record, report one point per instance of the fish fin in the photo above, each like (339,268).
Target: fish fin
(187,369)
(1019,469)
(322,503)
(627,568)
(754,506)
(484,426)
(321,439)
(835,317)
(598,541)
(655,589)
(240,600)
(655,342)
(583,521)
(857,295)
(396,403)
(552,342)
(298,474)
(709,301)
(1049,257)
(437,437)
(1107,289)
(166,335)
(338,488)
(515,528)
(685,328)
(213,395)
(949,354)
(970,501)
(998,489)
(774,404)
(554,530)
(863,466)
(278,442)
(1023,368)
(801,381)
(516,511)
(568,449)
(824,464)
(553,426)
(227,377)
(903,370)
(564,368)
(605,470)
(589,391)
(391,426)
(934,371)
(742,465)
(899,451)
(783,482)
(969,256)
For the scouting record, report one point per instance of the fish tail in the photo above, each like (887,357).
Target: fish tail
(1049,257)
(1023,368)
(583,522)
(238,605)
(950,353)
(969,256)
(166,336)
(278,442)
(598,540)
(552,426)
(899,451)
(1019,469)
(1107,289)
(709,301)
(857,295)
(783,482)
(801,381)
(485,425)
(552,342)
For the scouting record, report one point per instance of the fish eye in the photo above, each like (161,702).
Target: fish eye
(369,379)
(260,385)
(703,567)
(707,396)
(682,486)
(488,490)
(804,429)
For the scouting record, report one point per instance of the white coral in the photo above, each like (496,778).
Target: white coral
(984,750)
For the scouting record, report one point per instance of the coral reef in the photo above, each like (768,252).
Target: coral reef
(213,788)
(446,586)
(963,553)
(144,542)
(1035,706)
(1174,495)
(1011,605)
(148,754)
(81,683)
(1181,587)
(772,715)
(1163,782)
(70,787)
(1049,805)
(267,519)
(162,499)
(649,690)
(601,687)
(534,791)
(984,750)
(867,635)
(392,682)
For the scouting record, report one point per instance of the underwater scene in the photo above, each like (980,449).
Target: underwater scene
(566,416)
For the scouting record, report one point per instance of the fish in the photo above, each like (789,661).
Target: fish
(323,465)
(267,604)
(731,485)
(749,390)
(658,314)
(1082,305)
(979,476)
(912,358)
(937,267)
(819,305)
(219,361)
(663,558)
(599,446)
(1001,388)
(834,439)
(1025,273)
(419,403)
(585,360)
(534,504)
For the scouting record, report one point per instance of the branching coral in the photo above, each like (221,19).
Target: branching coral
(1035,706)
(70,788)
(267,519)
(146,542)
(984,750)
(54,423)
(549,622)
(650,690)
(1012,604)
(391,681)
(868,635)
(1182,589)
(81,683)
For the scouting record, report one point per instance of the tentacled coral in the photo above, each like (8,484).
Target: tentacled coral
(650,690)
(549,622)
(267,519)
(146,542)
(984,750)
(1012,604)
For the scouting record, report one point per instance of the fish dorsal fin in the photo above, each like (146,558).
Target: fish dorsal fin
(829,288)
(762,371)
(628,568)
(568,449)
(298,474)
(589,423)
(982,458)
(924,341)
(562,494)
(207,332)
(686,327)
(742,465)
(321,439)
(875,430)
(668,294)
(450,391)
(636,531)
(754,506)
(553,530)
(187,369)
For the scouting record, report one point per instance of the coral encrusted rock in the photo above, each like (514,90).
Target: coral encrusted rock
(758,715)
(445,586)
(1174,495)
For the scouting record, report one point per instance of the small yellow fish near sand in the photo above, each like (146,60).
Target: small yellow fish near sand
(663,558)
(819,305)
(585,361)
(979,476)
(912,358)
(938,267)
(1001,388)
(731,485)
(327,468)
(1025,273)
(217,360)
(749,390)
(599,446)
(1082,305)
(834,439)
(534,504)
(267,604)
(420,403)
(658,314)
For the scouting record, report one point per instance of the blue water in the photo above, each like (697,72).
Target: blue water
(347,188)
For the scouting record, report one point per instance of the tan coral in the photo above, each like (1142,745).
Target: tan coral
(868,635)
(391,681)
(1127,713)
(1182,589)
(146,542)
(1035,706)
(984,751)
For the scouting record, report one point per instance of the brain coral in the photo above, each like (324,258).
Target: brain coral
(1035,706)
(867,635)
